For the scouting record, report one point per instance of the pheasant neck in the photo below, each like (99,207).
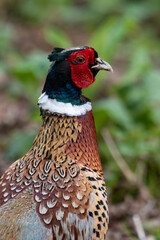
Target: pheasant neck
(67,140)
(67,94)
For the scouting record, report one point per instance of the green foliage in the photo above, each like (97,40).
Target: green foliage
(113,109)
(19,143)
(57,37)
(29,72)
(5,38)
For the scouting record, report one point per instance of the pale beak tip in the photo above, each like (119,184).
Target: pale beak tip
(102,65)
(110,69)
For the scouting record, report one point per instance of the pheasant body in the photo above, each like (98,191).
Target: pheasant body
(57,190)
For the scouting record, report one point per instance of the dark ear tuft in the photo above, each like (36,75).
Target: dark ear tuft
(58,49)
(56,54)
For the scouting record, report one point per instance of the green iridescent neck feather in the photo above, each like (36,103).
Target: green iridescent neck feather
(66,94)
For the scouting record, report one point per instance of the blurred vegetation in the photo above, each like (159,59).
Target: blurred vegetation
(126,34)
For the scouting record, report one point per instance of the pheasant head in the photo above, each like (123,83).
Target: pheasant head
(70,71)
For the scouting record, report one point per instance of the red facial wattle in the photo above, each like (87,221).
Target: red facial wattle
(80,73)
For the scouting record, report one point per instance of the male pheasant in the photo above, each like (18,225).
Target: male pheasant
(57,190)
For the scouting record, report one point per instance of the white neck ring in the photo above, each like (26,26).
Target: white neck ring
(69,109)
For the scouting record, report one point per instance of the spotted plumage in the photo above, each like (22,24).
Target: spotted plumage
(57,190)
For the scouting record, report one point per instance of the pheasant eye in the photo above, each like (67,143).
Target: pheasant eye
(80,60)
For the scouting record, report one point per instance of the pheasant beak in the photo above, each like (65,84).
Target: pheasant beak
(102,65)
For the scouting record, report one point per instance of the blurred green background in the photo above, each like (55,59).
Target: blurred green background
(126,104)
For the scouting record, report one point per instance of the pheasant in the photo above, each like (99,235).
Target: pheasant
(57,190)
